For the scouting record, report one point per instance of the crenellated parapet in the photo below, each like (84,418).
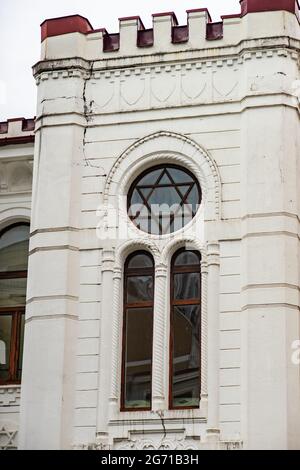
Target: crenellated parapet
(17,131)
(73,36)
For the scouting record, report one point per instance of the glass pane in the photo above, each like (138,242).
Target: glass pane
(138,358)
(141,261)
(163,195)
(187,286)
(187,258)
(150,178)
(193,198)
(186,356)
(139,289)
(5,342)
(21,346)
(12,292)
(179,176)
(136,198)
(14,245)
(165,180)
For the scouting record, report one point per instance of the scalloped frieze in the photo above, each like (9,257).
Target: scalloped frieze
(16,176)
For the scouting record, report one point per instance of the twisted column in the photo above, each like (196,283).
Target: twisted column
(159,339)
(116,311)
(204,331)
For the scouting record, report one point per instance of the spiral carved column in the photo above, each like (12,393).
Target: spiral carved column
(204,333)
(116,302)
(159,339)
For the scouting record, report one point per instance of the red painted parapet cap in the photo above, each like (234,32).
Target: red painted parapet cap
(133,18)
(64,25)
(8,135)
(79,24)
(200,10)
(168,13)
(256,6)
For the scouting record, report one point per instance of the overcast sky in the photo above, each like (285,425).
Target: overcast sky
(20,36)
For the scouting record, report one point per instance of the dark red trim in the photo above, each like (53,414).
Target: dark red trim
(65,25)
(169,13)
(226,17)
(99,30)
(255,6)
(111,42)
(4,127)
(200,10)
(26,139)
(145,38)
(214,31)
(180,34)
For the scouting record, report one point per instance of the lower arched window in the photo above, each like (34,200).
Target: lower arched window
(14,242)
(137,332)
(185,330)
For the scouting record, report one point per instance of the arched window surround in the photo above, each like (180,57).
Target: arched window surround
(184,270)
(15,315)
(137,272)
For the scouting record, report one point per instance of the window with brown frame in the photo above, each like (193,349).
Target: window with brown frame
(185,330)
(14,242)
(163,199)
(137,332)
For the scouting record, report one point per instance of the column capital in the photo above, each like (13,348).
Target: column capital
(161,270)
(213,254)
(108,260)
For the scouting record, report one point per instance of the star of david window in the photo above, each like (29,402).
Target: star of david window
(163,199)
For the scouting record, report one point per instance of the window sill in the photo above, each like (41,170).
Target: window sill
(171,416)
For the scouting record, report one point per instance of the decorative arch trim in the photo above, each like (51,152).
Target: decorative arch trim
(130,246)
(165,147)
(14,215)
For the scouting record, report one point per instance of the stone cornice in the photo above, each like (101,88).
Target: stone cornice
(76,65)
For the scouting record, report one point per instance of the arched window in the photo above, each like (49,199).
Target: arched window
(137,332)
(163,199)
(185,330)
(14,242)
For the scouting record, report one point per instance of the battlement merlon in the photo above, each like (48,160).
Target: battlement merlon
(17,131)
(74,36)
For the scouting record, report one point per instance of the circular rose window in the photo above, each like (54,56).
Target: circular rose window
(163,199)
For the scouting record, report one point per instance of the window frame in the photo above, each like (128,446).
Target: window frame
(16,313)
(183,302)
(129,272)
(156,185)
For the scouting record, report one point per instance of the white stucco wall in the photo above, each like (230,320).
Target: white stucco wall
(228,110)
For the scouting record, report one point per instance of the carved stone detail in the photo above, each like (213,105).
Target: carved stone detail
(10,396)
(8,434)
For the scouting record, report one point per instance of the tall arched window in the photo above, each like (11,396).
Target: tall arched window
(185,330)
(137,332)
(14,242)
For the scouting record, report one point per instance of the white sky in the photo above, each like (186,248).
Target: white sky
(20,36)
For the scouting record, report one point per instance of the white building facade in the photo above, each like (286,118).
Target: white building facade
(144,335)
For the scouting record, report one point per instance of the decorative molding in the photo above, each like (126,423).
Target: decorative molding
(10,395)
(176,243)
(159,338)
(8,437)
(129,246)
(165,147)
(178,443)
(16,175)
